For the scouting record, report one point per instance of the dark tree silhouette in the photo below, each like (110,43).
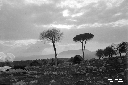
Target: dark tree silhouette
(83,38)
(53,35)
(100,53)
(123,47)
(77,59)
(109,51)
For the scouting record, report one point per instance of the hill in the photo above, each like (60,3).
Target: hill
(64,54)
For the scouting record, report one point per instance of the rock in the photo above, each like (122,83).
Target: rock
(80,82)
(4,68)
(53,82)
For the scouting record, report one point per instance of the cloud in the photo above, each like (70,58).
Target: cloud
(10,57)
(23,20)
(60,26)
(65,13)
(118,14)
(4,57)
(19,43)
(18,47)
(113,3)
(89,25)
(78,14)
(24,3)
(38,2)
(23,47)
(1,4)
(13,3)
(25,42)
(119,23)
(75,3)
(72,20)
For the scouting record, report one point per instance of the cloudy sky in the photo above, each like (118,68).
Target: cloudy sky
(21,22)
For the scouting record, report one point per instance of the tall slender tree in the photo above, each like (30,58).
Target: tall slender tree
(53,35)
(83,38)
(88,36)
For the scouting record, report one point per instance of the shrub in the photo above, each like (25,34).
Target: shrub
(35,63)
(77,59)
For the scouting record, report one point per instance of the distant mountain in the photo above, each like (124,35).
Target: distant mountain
(72,53)
(64,54)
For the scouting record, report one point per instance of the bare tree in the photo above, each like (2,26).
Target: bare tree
(53,35)
(83,38)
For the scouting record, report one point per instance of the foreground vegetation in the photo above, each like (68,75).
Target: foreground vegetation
(89,72)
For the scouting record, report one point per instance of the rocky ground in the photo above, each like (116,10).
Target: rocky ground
(81,74)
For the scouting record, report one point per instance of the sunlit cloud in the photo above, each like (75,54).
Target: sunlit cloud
(72,20)
(61,26)
(78,14)
(65,13)
(89,25)
(113,3)
(75,3)
(25,42)
(83,3)
(118,23)
(38,2)
(19,43)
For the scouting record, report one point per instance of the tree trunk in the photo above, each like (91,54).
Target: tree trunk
(99,58)
(126,58)
(84,46)
(120,53)
(82,50)
(109,55)
(55,54)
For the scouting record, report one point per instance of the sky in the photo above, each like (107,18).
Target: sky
(22,21)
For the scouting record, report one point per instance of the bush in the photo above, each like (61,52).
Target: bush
(77,59)
(35,63)
(19,67)
(58,62)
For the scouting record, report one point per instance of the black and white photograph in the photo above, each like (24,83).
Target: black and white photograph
(63,42)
